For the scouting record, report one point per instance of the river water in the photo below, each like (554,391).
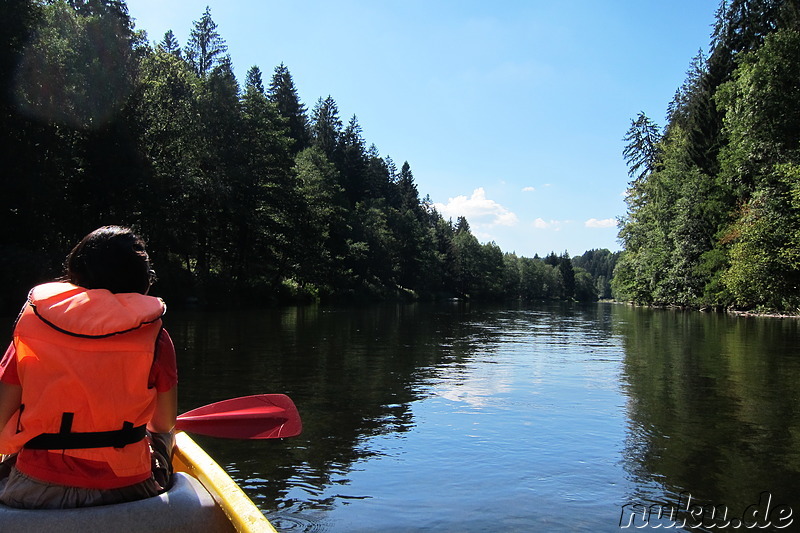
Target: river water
(469,418)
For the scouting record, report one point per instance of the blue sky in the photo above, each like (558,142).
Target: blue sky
(510,113)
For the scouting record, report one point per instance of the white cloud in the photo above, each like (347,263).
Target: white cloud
(554,225)
(528,189)
(482,236)
(540,224)
(605,223)
(477,208)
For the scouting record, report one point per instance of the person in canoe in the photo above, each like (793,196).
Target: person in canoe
(88,386)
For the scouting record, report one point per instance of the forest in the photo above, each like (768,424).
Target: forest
(243,193)
(713,208)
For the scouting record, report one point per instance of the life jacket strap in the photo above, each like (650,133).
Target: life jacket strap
(65,439)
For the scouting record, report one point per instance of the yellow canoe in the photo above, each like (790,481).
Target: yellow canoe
(203,497)
(239,510)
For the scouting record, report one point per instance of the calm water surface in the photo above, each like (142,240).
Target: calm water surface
(465,418)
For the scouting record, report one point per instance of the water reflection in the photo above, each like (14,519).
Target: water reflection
(548,417)
(712,406)
(353,374)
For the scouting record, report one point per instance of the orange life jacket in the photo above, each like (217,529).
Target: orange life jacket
(83,359)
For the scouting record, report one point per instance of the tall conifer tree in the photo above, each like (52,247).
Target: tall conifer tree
(354,162)
(205,47)
(283,94)
(170,44)
(326,127)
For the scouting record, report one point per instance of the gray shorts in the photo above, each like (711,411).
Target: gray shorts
(24,492)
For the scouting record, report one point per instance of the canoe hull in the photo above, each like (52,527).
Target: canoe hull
(203,498)
(240,509)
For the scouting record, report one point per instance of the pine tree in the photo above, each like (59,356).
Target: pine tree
(678,109)
(551,259)
(462,225)
(354,162)
(376,177)
(170,139)
(742,25)
(267,197)
(170,45)
(283,94)
(222,167)
(205,47)
(253,80)
(116,9)
(641,151)
(326,127)
(321,219)
(467,260)
(409,196)
(567,275)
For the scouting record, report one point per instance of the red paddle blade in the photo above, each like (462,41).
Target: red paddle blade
(263,416)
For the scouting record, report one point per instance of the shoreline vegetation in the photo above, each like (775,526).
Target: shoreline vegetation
(744,313)
(713,208)
(245,196)
(248,197)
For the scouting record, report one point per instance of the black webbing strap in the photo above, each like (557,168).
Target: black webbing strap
(65,439)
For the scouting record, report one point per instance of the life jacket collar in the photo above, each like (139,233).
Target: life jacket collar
(93,313)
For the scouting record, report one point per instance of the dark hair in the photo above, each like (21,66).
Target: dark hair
(113,258)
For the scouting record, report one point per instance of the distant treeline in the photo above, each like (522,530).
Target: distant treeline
(713,213)
(242,193)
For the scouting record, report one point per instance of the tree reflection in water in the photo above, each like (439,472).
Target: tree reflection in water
(712,405)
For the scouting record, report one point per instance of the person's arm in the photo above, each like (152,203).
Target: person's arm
(10,400)
(10,389)
(166,413)
(164,377)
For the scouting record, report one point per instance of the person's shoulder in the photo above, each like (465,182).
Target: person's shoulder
(164,341)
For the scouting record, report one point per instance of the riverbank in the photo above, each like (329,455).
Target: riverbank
(763,313)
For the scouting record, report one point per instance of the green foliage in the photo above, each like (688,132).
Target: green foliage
(599,265)
(321,220)
(254,81)
(641,152)
(585,290)
(713,221)
(764,266)
(283,94)
(480,268)
(167,108)
(241,196)
(762,111)
(76,70)
(353,162)
(169,44)
(326,127)
(205,47)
